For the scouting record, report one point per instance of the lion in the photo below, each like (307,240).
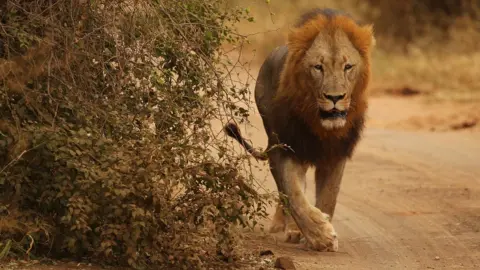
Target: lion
(311,95)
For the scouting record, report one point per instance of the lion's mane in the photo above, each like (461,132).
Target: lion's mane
(296,122)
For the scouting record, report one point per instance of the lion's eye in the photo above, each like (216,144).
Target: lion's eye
(318,67)
(348,66)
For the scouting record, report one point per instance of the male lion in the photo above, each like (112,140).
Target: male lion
(311,97)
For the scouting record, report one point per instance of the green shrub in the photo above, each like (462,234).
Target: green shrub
(105,132)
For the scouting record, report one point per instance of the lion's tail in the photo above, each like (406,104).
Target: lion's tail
(233,131)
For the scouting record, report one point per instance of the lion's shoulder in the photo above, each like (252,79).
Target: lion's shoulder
(269,77)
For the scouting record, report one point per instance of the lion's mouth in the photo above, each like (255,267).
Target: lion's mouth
(332,114)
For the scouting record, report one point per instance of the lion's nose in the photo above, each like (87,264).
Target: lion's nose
(334,98)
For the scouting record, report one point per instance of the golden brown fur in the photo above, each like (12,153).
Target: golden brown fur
(311,97)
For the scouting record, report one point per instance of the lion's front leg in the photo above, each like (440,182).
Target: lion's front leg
(312,223)
(327,186)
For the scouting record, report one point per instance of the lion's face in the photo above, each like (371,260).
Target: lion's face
(332,65)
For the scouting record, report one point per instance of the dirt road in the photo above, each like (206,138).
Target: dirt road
(409,200)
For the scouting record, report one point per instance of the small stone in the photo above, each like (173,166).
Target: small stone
(266,252)
(437,258)
(285,263)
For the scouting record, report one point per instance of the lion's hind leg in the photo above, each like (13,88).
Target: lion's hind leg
(292,232)
(284,222)
(279,221)
(328,179)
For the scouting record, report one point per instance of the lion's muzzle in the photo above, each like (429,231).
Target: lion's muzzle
(334,107)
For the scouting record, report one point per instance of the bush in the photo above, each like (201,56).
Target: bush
(105,135)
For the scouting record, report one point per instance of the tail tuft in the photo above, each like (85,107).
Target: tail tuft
(233,131)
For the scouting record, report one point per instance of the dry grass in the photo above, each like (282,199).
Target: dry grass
(452,76)
(444,69)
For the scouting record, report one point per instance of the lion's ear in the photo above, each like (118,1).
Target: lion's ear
(369,29)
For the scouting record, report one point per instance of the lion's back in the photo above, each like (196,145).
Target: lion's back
(268,78)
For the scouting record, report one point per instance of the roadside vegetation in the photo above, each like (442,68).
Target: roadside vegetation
(106,148)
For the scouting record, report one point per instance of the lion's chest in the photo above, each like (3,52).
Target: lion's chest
(304,145)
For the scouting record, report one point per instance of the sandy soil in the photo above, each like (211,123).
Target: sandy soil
(410,197)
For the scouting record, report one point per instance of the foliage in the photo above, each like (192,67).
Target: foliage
(106,143)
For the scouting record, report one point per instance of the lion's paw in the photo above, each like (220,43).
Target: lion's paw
(293,236)
(319,233)
(292,232)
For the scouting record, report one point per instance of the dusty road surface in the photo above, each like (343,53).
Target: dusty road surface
(409,199)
